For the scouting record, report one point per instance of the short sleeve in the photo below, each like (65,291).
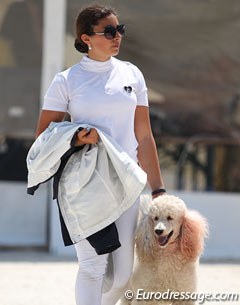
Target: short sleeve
(141,90)
(56,97)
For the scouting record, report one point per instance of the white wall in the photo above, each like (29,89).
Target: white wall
(222,211)
(23,218)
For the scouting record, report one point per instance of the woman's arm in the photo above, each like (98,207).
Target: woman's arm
(46,117)
(85,136)
(147,151)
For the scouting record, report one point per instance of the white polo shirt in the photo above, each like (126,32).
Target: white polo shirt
(103,94)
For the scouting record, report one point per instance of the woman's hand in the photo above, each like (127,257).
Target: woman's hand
(87,136)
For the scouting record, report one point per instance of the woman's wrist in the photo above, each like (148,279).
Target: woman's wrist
(158,191)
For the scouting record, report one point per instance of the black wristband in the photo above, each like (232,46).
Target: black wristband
(158,191)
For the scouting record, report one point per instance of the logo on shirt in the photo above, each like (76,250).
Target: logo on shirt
(128,89)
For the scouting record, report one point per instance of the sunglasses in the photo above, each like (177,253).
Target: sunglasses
(110,31)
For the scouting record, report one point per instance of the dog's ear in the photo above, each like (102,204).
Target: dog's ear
(145,241)
(194,230)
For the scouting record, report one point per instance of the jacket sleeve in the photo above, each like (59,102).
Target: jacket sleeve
(44,156)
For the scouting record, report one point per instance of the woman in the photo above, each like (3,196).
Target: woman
(111,95)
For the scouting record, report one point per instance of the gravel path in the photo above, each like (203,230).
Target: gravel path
(28,278)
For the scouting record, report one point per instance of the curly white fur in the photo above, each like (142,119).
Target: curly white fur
(169,241)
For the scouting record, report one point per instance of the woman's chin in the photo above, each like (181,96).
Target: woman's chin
(115,51)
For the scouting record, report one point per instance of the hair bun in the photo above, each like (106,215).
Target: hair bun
(80,46)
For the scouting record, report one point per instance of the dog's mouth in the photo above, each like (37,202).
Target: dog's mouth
(163,240)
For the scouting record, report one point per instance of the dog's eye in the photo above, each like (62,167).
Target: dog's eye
(169,218)
(156,218)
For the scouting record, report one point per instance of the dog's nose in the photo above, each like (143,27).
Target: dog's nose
(158,231)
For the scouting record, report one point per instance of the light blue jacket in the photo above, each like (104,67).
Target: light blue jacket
(98,183)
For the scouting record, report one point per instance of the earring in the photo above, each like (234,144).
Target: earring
(89,47)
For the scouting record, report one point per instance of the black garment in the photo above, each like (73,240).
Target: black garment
(105,240)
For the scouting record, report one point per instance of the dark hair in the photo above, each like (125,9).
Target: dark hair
(86,19)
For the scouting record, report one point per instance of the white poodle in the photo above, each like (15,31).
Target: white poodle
(169,241)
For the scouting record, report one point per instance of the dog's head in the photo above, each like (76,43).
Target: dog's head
(169,225)
(166,216)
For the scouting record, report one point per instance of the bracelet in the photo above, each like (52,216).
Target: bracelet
(158,191)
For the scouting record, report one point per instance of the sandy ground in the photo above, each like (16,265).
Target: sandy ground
(35,278)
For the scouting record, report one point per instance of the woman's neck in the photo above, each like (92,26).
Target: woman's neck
(97,57)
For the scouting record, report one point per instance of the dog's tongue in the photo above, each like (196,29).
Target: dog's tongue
(162,240)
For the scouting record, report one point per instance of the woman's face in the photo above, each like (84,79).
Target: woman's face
(103,48)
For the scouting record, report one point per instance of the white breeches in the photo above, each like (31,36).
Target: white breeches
(92,277)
